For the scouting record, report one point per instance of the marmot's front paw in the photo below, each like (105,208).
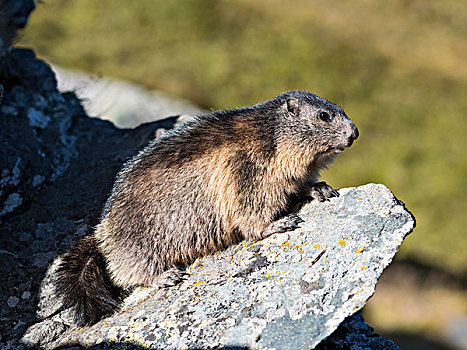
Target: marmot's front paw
(171,277)
(322,191)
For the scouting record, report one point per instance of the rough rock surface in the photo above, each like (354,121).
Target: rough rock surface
(355,334)
(289,290)
(14,15)
(126,105)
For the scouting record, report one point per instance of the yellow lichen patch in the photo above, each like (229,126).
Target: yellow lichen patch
(317,246)
(364,267)
(342,242)
(343,208)
(306,243)
(359,198)
(360,250)
(286,244)
(232,259)
(198,283)
(204,324)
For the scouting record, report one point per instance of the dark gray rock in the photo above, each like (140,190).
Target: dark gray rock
(355,334)
(14,15)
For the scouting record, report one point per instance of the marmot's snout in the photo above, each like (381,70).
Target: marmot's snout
(354,134)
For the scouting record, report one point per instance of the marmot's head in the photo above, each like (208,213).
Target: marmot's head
(315,123)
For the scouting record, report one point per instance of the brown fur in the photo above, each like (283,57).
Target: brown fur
(213,182)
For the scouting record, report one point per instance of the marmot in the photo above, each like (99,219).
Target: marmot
(214,181)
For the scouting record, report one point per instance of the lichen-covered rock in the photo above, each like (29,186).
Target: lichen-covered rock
(290,290)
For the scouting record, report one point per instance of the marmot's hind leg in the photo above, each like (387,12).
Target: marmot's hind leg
(171,277)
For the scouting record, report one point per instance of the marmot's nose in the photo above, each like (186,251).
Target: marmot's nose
(355,132)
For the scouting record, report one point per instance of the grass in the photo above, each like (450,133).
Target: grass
(397,67)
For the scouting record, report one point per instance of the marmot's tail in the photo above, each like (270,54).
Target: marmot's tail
(85,284)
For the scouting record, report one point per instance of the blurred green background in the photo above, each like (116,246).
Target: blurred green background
(398,68)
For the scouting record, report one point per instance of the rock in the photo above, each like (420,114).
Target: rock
(37,118)
(12,301)
(355,334)
(9,261)
(14,15)
(289,290)
(13,201)
(125,104)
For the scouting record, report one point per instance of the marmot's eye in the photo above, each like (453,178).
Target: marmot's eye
(324,116)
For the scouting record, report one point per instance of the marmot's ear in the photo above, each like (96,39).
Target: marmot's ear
(292,105)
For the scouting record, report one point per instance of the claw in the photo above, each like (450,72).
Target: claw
(287,223)
(322,191)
